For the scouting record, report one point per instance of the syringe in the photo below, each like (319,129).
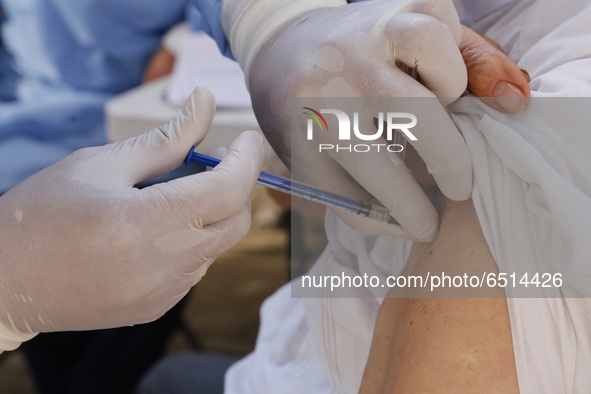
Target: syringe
(310,193)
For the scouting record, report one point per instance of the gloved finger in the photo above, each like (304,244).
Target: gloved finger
(317,166)
(423,43)
(375,173)
(424,226)
(190,251)
(222,236)
(212,196)
(219,153)
(326,174)
(341,182)
(442,10)
(438,141)
(441,69)
(206,243)
(492,75)
(385,176)
(163,149)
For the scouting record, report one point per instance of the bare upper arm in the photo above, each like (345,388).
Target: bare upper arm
(441,344)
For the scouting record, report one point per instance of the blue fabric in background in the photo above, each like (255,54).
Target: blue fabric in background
(60,61)
(211,14)
(98,45)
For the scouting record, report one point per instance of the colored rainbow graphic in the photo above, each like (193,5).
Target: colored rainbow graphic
(315,116)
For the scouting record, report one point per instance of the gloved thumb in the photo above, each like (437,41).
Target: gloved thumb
(163,149)
(217,194)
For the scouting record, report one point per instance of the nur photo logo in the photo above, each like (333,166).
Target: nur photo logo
(387,123)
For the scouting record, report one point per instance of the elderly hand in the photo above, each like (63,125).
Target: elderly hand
(492,76)
(81,248)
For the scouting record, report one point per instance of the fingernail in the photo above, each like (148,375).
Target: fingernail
(509,97)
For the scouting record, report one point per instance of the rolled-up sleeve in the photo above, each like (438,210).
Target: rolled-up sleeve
(210,14)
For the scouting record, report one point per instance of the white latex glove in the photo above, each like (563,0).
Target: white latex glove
(311,48)
(81,248)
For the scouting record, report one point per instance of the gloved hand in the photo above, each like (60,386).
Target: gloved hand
(81,248)
(311,48)
(355,50)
